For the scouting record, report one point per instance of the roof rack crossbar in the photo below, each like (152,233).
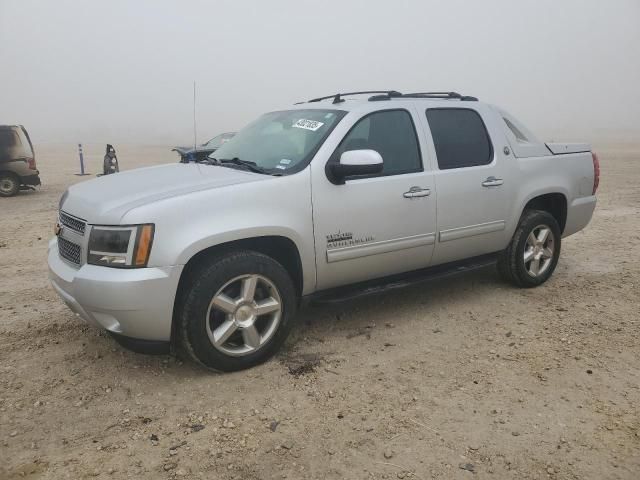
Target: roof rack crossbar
(452,95)
(337,97)
(434,94)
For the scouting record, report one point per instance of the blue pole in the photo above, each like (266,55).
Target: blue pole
(81,159)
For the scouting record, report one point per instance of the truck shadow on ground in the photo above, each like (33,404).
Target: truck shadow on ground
(323,326)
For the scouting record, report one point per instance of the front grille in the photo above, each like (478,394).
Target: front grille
(69,250)
(73,223)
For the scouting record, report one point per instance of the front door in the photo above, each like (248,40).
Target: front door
(379,225)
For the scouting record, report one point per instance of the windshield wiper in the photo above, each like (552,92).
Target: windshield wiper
(246,164)
(238,163)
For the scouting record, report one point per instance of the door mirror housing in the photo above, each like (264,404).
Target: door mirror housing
(356,162)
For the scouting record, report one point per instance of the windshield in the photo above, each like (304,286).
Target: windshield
(215,142)
(281,141)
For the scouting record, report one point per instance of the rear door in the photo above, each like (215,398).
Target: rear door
(378,225)
(474,179)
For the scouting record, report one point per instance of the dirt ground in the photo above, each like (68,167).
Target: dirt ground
(457,379)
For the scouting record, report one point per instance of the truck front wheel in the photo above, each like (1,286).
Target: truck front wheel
(533,253)
(236,310)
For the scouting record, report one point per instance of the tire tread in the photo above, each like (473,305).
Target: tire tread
(508,260)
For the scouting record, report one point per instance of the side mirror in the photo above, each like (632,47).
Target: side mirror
(357,162)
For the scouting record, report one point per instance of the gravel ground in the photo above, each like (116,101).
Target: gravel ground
(456,379)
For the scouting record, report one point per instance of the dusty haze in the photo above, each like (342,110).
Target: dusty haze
(123,72)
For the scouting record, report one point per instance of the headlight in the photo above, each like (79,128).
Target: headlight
(121,247)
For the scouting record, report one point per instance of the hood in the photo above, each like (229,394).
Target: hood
(106,199)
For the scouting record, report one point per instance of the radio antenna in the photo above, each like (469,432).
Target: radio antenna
(195,135)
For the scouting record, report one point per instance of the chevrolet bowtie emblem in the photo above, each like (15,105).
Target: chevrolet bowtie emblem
(57,229)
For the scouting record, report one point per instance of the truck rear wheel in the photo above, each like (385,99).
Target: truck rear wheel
(533,253)
(9,184)
(236,310)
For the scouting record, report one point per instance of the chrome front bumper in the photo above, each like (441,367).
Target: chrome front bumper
(136,303)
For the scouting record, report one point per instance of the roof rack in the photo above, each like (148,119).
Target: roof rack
(337,97)
(389,94)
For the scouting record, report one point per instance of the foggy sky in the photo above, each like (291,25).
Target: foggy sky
(121,71)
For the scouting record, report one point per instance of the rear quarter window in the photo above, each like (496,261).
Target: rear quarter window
(460,138)
(520,137)
(26,144)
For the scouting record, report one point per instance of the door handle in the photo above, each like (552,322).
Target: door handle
(415,192)
(492,182)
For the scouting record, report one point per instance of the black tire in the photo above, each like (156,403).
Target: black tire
(511,262)
(9,184)
(204,282)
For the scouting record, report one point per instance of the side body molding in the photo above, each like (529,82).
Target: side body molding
(471,230)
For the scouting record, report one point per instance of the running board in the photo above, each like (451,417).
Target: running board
(393,282)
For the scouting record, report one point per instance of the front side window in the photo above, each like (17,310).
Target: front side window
(281,142)
(460,138)
(390,133)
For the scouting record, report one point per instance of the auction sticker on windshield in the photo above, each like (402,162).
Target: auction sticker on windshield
(308,124)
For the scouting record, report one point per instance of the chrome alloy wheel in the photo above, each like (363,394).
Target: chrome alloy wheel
(539,250)
(243,315)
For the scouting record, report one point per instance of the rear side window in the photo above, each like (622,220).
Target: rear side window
(9,138)
(390,133)
(460,138)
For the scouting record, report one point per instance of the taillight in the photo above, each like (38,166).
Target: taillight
(596,173)
(32,163)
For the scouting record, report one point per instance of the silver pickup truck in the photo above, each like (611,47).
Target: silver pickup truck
(328,199)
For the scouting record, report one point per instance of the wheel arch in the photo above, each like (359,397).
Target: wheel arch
(280,248)
(554,203)
(4,171)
